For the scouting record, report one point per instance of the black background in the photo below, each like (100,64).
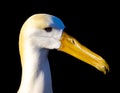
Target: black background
(91,23)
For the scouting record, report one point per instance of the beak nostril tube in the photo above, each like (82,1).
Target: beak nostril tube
(73,41)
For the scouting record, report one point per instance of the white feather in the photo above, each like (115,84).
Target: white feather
(36,75)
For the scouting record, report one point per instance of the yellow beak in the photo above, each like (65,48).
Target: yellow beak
(71,46)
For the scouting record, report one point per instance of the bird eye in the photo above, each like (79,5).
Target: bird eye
(48,29)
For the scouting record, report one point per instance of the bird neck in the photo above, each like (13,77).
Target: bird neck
(36,75)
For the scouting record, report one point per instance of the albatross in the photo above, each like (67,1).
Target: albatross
(40,33)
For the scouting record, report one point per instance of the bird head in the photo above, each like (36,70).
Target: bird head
(46,31)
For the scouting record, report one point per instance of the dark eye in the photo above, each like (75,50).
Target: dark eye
(48,29)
